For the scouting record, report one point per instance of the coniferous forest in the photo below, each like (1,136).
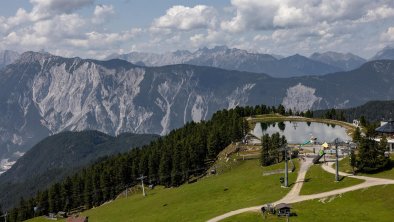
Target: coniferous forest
(181,156)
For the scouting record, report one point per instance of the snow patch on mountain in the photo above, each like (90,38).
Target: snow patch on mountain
(300,98)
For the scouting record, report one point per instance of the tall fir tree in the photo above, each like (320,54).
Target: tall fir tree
(265,149)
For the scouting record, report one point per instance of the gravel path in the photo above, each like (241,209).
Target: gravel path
(294,194)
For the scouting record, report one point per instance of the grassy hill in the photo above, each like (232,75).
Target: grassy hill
(317,181)
(242,184)
(372,204)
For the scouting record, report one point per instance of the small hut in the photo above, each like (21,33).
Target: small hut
(283,209)
(387,129)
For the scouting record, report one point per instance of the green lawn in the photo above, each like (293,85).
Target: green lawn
(240,186)
(344,165)
(318,180)
(248,216)
(372,204)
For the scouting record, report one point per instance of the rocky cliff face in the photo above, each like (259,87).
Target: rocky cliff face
(41,94)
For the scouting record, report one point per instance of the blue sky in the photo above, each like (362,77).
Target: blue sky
(97,28)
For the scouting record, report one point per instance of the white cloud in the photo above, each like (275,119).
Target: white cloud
(102,13)
(261,38)
(185,18)
(388,35)
(59,6)
(98,40)
(382,12)
(212,38)
(277,14)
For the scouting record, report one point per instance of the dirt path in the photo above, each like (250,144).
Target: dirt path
(294,194)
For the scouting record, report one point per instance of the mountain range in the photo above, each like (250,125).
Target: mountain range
(234,59)
(42,94)
(242,60)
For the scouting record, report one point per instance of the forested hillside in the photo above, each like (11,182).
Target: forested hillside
(182,155)
(372,111)
(60,155)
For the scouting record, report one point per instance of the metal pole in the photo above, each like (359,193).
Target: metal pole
(336,161)
(286,170)
(142,183)
(143,188)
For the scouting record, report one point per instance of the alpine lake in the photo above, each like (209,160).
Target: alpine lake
(300,132)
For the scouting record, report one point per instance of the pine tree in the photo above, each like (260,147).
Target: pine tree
(22,212)
(371,156)
(357,135)
(165,169)
(274,148)
(363,121)
(43,203)
(87,192)
(281,110)
(265,148)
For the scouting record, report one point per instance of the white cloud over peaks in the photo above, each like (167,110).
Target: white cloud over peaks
(102,13)
(186,18)
(277,14)
(96,40)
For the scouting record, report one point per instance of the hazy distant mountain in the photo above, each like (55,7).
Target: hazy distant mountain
(41,94)
(385,53)
(299,64)
(7,57)
(343,61)
(58,156)
(234,59)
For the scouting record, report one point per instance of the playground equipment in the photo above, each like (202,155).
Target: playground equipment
(318,157)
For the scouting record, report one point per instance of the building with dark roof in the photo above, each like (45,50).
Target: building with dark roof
(387,129)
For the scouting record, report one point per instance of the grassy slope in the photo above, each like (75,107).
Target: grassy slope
(372,204)
(318,180)
(344,165)
(239,187)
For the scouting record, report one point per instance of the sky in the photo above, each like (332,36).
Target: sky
(98,28)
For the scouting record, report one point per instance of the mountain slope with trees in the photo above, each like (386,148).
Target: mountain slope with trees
(60,155)
(183,155)
(42,94)
(372,111)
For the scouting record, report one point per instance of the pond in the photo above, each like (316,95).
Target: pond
(300,132)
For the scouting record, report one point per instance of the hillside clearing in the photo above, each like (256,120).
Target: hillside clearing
(239,187)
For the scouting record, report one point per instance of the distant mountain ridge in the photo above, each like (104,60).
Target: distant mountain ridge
(234,59)
(345,62)
(386,53)
(41,95)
